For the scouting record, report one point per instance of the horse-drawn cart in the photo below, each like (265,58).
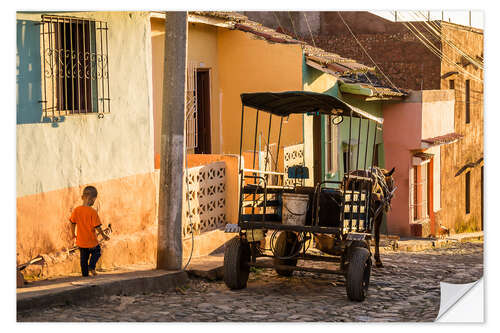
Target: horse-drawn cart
(335,216)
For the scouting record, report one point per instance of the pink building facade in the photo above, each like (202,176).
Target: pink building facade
(414,131)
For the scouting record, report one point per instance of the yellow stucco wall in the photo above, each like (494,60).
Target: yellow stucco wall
(202,53)
(248,64)
(157,55)
(238,62)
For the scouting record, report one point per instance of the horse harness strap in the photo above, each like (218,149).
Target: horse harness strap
(380,187)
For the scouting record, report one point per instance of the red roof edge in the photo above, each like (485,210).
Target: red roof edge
(266,36)
(443,139)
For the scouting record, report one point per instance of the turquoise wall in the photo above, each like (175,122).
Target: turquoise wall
(28,72)
(373,107)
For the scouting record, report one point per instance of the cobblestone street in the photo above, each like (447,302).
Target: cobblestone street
(405,289)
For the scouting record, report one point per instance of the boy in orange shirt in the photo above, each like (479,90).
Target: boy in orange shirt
(85,220)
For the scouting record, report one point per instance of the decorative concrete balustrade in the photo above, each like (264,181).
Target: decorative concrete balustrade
(204,206)
(293,155)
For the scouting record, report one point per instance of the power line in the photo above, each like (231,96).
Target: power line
(429,45)
(293,26)
(310,32)
(456,89)
(434,49)
(434,29)
(279,23)
(393,85)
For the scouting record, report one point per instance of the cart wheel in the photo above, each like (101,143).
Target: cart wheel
(354,245)
(360,244)
(358,274)
(286,244)
(236,260)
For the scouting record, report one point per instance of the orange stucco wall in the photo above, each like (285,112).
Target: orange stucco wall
(238,63)
(248,64)
(128,203)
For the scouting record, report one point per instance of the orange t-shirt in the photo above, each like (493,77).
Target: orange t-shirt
(86,219)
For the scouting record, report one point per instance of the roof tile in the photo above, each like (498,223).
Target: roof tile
(443,139)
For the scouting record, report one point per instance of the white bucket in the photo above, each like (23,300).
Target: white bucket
(294,208)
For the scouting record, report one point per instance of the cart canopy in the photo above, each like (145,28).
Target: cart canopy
(299,102)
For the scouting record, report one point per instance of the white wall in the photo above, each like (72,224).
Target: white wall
(438,113)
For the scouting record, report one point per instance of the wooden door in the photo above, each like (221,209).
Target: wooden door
(203,100)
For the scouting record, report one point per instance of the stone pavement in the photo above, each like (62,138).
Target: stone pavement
(405,289)
(211,267)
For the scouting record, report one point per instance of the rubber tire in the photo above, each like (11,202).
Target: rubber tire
(358,274)
(356,244)
(283,247)
(236,260)
(363,244)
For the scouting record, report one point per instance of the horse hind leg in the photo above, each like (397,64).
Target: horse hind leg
(378,222)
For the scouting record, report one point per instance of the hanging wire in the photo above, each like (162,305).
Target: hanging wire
(431,47)
(299,244)
(309,27)
(278,21)
(293,26)
(189,209)
(434,29)
(364,50)
(438,52)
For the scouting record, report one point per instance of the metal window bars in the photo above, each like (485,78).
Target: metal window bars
(419,196)
(75,67)
(191,107)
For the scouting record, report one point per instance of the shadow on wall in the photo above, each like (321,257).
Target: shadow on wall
(28,74)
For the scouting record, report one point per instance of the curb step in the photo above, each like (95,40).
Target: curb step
(75,292)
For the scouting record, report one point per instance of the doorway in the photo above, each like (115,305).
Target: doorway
(203,112)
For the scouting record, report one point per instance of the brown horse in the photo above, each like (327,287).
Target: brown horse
(382,193)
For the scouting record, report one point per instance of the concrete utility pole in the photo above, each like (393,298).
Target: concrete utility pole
(172,143)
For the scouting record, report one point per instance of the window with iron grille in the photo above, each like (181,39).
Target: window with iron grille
(331,142)
(191,106)
(75,67)
(419,192)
